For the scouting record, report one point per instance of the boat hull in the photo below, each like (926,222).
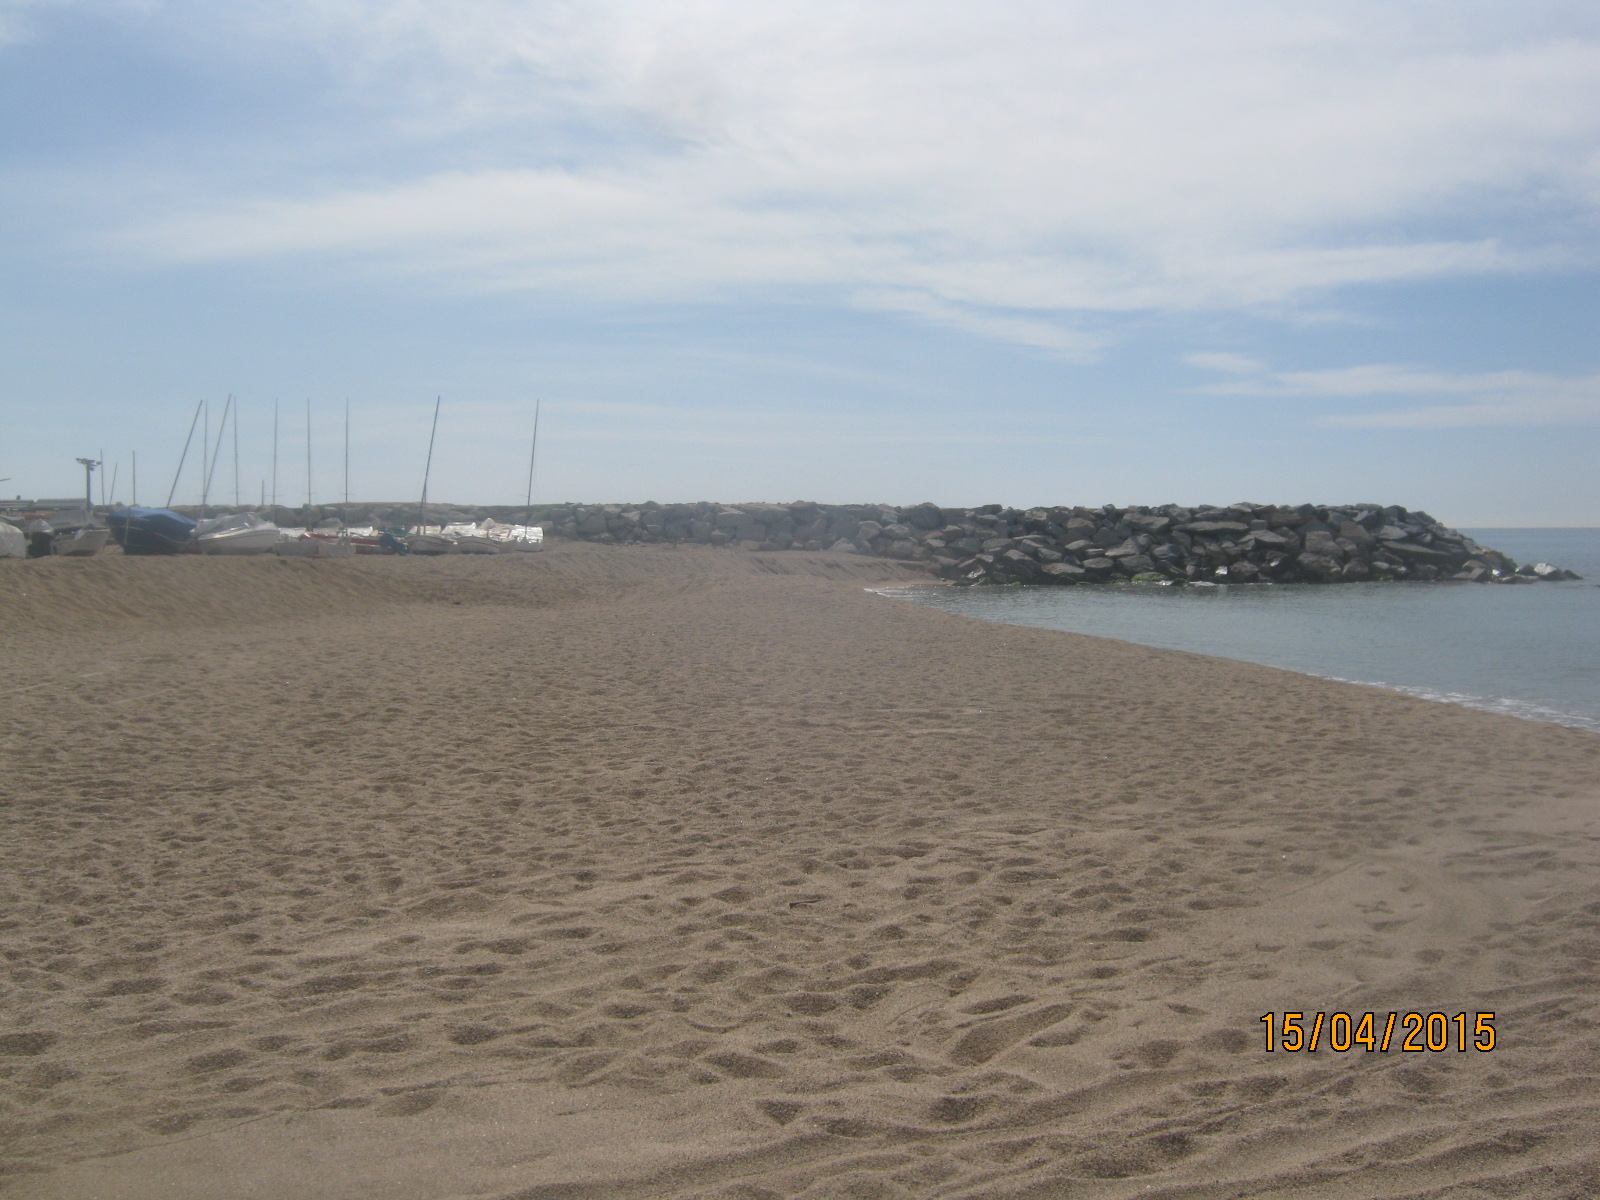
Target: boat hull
(315,547)
(151,530)
(431,543)
(83,542)
(242,541)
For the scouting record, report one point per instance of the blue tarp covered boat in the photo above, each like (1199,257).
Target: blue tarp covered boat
(150,530)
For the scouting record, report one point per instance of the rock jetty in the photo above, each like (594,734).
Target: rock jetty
(992,544)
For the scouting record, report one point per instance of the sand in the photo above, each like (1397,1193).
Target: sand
(642,872)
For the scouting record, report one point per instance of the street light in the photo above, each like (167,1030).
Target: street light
(88,465)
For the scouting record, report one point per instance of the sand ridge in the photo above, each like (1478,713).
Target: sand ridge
(649,872)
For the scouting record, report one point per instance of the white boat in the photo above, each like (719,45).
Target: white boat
(431,539)
(489,536)
(310,546)
(13,542)
(472,539)
(240,533)
(81,543)
(512,537)
(524,537)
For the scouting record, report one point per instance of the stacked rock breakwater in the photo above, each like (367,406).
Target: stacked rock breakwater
(1238,543)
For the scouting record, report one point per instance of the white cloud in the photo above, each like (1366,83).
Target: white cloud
(1468,399)
(1233,364)
(999,167)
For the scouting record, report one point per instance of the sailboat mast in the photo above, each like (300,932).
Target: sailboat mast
(344,517)
(422,509)
(193,421)
(533,454)
(308,458)
(211,470)
(205,457)
(235,453)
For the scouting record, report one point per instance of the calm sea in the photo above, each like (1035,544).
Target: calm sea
(1529,650)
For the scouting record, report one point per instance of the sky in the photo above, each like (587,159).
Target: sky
(1019,252)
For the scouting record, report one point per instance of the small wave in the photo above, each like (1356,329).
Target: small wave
(1504,705)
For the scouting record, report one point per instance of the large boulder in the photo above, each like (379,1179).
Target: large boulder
(1018,565)
(1268,540)
(1318,568)
(1322,543)
(1419,554)
(1136,564)
(1215,528)
(1063,572)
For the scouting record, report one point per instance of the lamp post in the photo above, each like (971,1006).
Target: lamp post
(88,465)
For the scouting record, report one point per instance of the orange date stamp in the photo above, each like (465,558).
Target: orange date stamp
(1378,1033)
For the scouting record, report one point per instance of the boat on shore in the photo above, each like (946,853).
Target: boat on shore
(310,545)
(369,539)
(81,543)
(431,539)
(239,533)
(150,530)
(524,537)
(471,539)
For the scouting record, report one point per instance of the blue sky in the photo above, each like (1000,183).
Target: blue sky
(1017,252)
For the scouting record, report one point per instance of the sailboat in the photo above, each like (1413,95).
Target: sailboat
(527,536)
(423,539)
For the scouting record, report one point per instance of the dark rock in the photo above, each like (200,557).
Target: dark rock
(1169,554)
(1018,565)
(1136,564)
(1269,540)
(1551,574)
(1063,572)
(1421,554)
(1321,543)
(1318,568)
(1213,528)
(1149,522)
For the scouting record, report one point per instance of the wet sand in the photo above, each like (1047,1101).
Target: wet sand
(650,872)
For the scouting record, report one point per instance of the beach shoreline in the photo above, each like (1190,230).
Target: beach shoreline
(670,871)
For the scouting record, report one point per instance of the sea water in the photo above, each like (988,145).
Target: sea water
(1528,650)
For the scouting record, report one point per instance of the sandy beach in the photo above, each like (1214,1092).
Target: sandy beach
(646,872)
